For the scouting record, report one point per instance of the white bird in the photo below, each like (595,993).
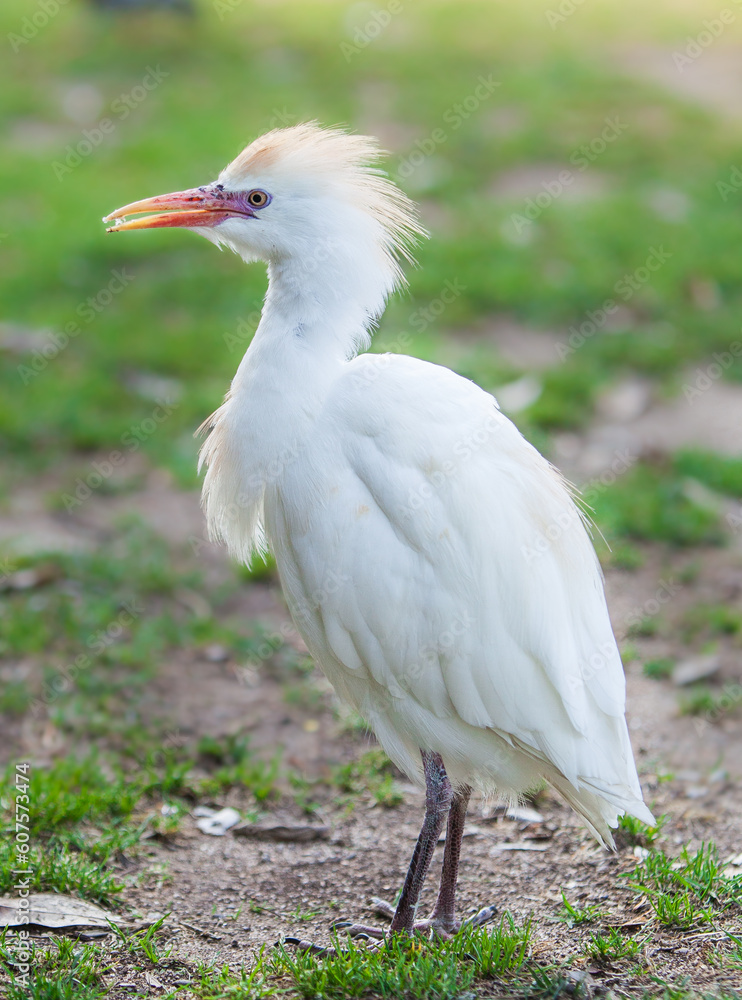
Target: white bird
(435,563)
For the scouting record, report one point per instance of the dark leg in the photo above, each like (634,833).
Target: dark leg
(443,919)
(438,796)
(440,799)
(443,916)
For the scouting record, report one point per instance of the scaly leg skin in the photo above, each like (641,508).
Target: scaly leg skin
(443,920)
(440,799)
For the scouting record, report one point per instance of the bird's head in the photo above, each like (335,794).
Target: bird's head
(308,197)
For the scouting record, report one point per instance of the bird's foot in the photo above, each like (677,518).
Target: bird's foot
(448,927)
(435,925)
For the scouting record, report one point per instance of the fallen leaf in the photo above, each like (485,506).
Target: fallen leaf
(633,922)
(51,909)
(297,834)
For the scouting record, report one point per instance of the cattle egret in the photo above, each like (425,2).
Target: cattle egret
(435,563)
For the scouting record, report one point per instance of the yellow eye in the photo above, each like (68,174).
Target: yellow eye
(258,199)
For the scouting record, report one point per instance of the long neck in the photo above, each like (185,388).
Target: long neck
(307,332)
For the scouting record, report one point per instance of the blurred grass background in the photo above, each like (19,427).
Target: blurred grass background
(236,69)
(484,107)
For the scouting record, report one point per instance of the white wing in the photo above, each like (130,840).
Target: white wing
(443,578)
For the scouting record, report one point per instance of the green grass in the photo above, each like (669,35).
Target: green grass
(689,891)
(653,503)
(659,669)
(712,620)
(667,991)
(66,970)
(85,813)
(233,763)
(372,773)
(109,616)
(635,833)
(412,969)
(81,818)
(73,790)
(56,868)
(575,916)
(718,472)
(612,946)
(227,983)
(143,943)
(712,703)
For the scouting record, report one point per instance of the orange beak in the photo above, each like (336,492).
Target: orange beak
(204,206)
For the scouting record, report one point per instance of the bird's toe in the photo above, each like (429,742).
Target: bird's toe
(314,949)
(381,907)
(359,930)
